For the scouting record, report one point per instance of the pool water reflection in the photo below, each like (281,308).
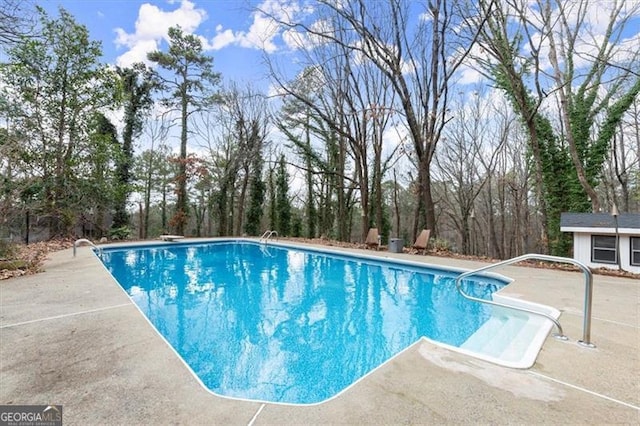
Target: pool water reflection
(289,325)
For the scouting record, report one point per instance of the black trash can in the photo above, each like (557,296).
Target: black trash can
(395,245)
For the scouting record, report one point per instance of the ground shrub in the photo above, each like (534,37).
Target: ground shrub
(13,265)
(7,250)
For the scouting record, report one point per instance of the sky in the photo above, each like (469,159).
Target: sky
(235,32)
(238,35)
(231,31)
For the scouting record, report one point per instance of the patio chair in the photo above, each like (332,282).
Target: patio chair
(373,239)
(422,241)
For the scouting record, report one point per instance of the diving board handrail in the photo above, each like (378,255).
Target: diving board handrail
(85,241)
(588,292)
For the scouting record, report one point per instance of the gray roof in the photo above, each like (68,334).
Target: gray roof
(599,220)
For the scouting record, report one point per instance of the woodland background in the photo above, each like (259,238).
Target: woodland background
(375,127)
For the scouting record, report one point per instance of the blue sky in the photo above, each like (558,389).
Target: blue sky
(231,31)
(238,36)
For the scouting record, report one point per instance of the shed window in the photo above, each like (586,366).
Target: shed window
(635,251)
(603,249)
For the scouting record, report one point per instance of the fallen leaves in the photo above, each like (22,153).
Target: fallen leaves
(28,258)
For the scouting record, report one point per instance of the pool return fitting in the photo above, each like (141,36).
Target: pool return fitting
(588,293)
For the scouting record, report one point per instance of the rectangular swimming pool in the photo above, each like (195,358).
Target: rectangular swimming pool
(291,325)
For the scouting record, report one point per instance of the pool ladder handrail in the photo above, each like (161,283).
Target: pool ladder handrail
(268,234)
(586,333)
(85,241)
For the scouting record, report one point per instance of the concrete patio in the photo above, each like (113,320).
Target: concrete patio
(71,336)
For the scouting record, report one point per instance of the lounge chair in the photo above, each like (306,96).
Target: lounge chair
(422,241)
(373,239)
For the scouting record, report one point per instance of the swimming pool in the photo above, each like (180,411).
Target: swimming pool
(291,325)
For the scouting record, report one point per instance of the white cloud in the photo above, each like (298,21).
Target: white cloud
(222,39)
(590,21)
(275,91)
(469,75)
(137,53)
(468,72)
(295,39)
(153,23)
(395,137)
(264,29)
(425,17)
(261,33)
(152,26)
(628,49)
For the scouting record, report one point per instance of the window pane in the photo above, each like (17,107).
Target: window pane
(601,241)
(605,256)
(635,258)
(635,243)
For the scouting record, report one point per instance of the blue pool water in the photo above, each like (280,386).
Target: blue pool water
(290,325)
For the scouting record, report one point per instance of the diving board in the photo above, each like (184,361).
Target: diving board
(171,237)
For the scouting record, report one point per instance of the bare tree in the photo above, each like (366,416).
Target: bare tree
(348,101)
(16,20)
(152,172)
(234,132)
(419,64)
(568,138)
(570,43)
(466,161)
(622,176)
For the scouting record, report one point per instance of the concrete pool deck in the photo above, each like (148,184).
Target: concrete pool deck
(71,336)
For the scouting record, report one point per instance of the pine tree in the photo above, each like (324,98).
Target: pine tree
(189,88)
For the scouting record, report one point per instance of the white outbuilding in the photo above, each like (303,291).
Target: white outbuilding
(605,240)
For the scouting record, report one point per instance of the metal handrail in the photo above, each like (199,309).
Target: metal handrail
(268,234)
(264,236)
(86,241)
(586,333)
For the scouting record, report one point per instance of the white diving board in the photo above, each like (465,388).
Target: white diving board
(171,237)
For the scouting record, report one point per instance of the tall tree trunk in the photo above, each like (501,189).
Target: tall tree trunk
(141,217)
(396,204)
(241,202)
(164,208)
(344,229)
(181,213)
(427,197)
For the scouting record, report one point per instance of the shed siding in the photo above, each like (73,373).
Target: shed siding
(582,252)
